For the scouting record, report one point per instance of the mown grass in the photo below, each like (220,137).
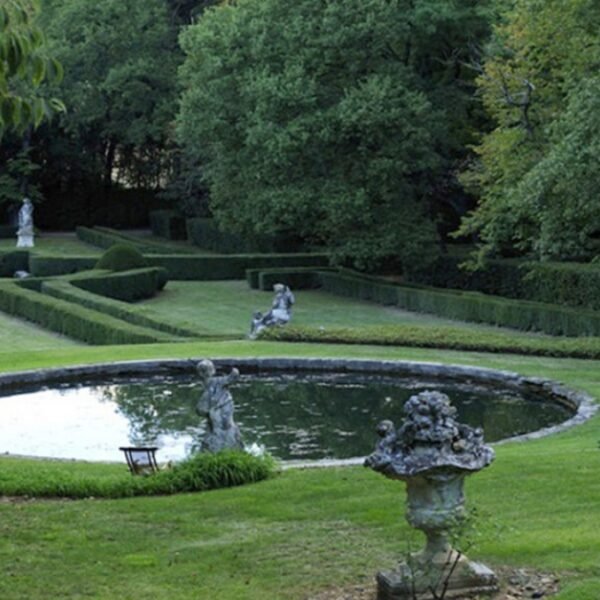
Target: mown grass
(304,531)
(226,307)
(61,244)
(307,530)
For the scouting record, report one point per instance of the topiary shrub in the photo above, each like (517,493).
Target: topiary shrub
(121,257)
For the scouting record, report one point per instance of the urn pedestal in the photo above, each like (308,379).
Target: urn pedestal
(435,505)
(433,454)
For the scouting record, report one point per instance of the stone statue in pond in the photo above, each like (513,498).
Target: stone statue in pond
(25,231)
(216,404)
(280,313)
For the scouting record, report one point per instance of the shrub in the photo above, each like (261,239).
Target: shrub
(129,286)
(73,320)
(201,472)
(121,257)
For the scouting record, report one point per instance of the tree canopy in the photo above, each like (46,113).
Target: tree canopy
(331,120)
(537,171)
(23,67)
(120,60)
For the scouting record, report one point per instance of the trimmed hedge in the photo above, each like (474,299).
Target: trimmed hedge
(46,266)
(451,338)
(469,306)
(191,267)
(73,320)
(230,266)
(129,286)
(13,260)
(573,284)
(563,283)
(66,291)
(122,257)
(297,278)
(168,224)
(103,237)
(204,233)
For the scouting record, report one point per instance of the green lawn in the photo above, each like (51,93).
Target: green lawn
(306,530)
(226,307)
(58,244)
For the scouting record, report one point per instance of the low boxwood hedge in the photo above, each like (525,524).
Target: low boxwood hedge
(231,266)
(72,320)
(116,308)
(468,306)
(298,278)
(451,338)
(104,237)
(129,286)
(202,472)
(569,283)
(47,266)
(204,233)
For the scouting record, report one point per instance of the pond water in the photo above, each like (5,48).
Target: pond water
(294,416)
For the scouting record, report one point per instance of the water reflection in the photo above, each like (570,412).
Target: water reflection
(294,417)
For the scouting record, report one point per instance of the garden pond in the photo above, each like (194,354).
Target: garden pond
(296,416)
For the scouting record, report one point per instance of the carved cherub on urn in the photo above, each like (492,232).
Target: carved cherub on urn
(433,454)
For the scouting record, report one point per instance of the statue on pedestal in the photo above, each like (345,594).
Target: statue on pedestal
(25,232)
(216,404)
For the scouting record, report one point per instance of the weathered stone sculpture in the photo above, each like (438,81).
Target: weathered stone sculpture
(216,404)
(280,313)
(433,454)
(25,231)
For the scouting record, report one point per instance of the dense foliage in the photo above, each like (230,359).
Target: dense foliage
(538,170)
(23,67)
(332,120)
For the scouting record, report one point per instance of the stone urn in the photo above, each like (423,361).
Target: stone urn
(433,454)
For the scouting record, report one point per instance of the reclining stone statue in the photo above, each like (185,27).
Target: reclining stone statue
(280,313)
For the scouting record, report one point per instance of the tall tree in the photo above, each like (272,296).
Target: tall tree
(537,170)
(334,120)
(120,60)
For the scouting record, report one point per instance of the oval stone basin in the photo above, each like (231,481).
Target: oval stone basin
(302,416)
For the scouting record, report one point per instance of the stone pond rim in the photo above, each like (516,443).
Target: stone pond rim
(583,405)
